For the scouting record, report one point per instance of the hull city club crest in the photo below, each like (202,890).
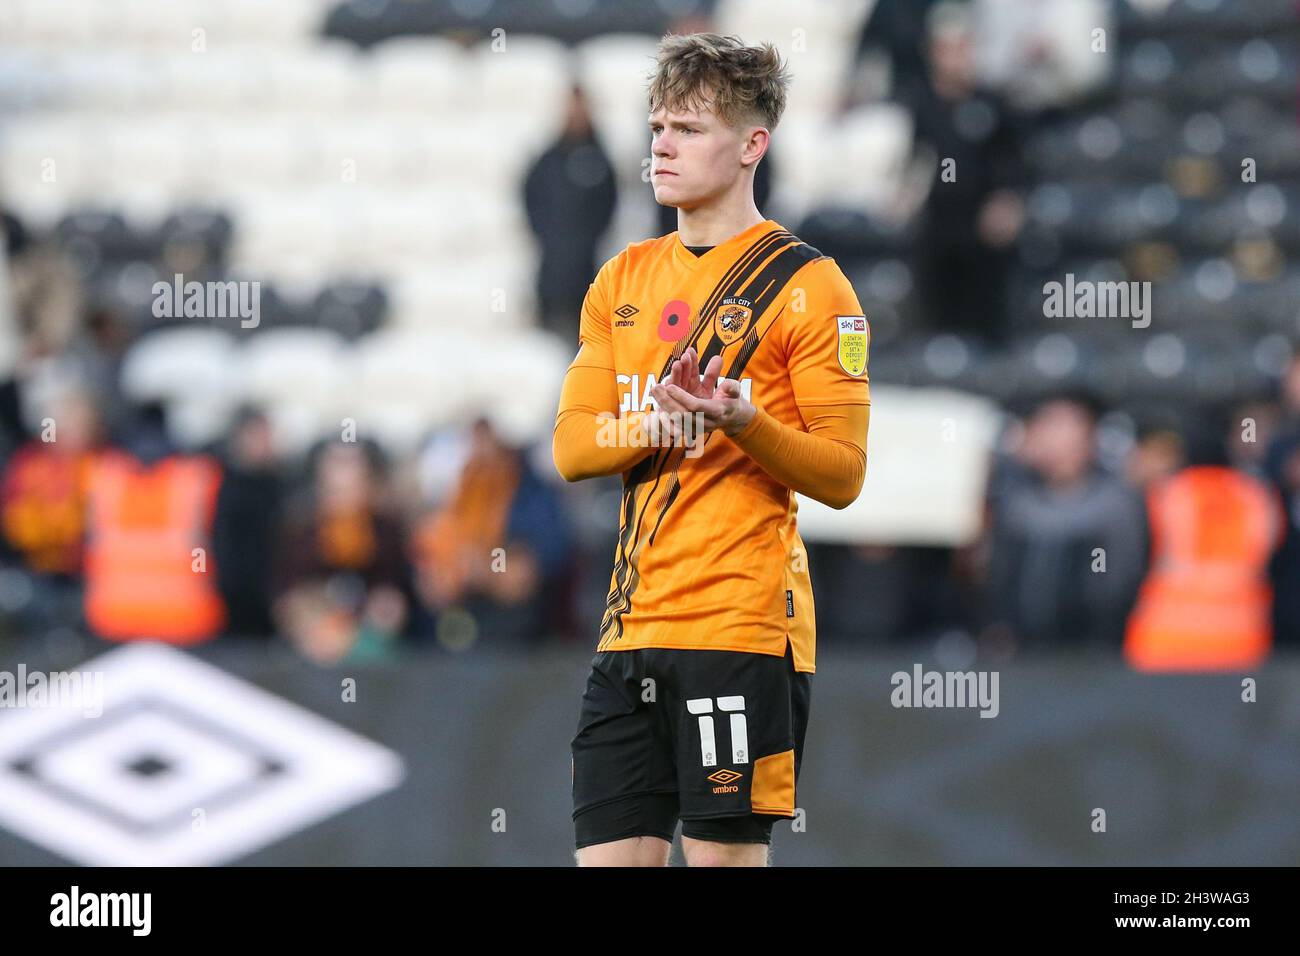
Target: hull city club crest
(855,339)
(733,318)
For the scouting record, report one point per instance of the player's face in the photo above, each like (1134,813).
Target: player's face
(694,156)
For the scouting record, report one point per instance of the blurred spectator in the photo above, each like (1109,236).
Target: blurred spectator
(1282,468)
(1157,453)
(248,512)
(1284,570)
(498,547)
(340,577)
(12,236)
(898,28)
(1250,432)
(972,215)
(1205,602)
(96,354)
(1290,392)
(570,194)
(43,504)
(1066,542)
(45,291)
(149,572)
(871,595)
(13,432)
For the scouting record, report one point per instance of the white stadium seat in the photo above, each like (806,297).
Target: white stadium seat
(283,23)
(55,161)
(321,78)
(162,26)
(817,41)
(293,364)
(424,75)
(102,80)
(183,362)
(28,78)
(236,80)
(857,161)
(155,151)
(303,378)
(410,382)
(819,27)
(263,152)
(302,236)
(449,299)
(524,88)
(515,381)
(927,464)
(55,24)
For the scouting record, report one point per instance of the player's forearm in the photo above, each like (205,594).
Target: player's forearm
(589,445)
(590,441)
(828,464)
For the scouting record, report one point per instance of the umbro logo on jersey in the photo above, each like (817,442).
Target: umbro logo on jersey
(626,311)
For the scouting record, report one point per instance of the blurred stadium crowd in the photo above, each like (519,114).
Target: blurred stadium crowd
(421,192)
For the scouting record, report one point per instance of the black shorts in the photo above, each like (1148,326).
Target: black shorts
(713,738)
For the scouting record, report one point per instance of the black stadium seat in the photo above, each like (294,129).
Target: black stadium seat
(352,309)
(206,231)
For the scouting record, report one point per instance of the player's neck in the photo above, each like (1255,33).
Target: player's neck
(715,223)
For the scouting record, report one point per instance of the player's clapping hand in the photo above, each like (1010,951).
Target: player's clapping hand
(662,425)
(685,373)
(686,400)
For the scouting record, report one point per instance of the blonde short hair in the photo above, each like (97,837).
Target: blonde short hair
(739,83)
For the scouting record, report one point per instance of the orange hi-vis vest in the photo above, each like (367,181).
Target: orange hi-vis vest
(144,579)
(1205,604)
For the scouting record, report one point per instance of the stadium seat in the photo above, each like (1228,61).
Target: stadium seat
(351,309)
(855,163)
(283,23)
(515,380)
(56,24)
(817,40)
(318,79)
(524,86)
(100,232)
(476,298)
(417,74)
(235,81)
(172,363)
(408,382)
(301,376)
(937,505)
(207,231)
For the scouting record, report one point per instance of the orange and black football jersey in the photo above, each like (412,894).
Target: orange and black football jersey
(708,554)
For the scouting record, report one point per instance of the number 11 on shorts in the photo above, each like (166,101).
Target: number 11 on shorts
(703,706)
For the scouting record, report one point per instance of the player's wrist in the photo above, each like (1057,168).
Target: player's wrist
(745,426)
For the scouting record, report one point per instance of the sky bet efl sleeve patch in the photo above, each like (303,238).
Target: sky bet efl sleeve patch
(855,341)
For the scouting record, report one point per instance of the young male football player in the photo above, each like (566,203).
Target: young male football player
(698,698)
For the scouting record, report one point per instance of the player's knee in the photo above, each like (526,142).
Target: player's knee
(704,853)
(634,851)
